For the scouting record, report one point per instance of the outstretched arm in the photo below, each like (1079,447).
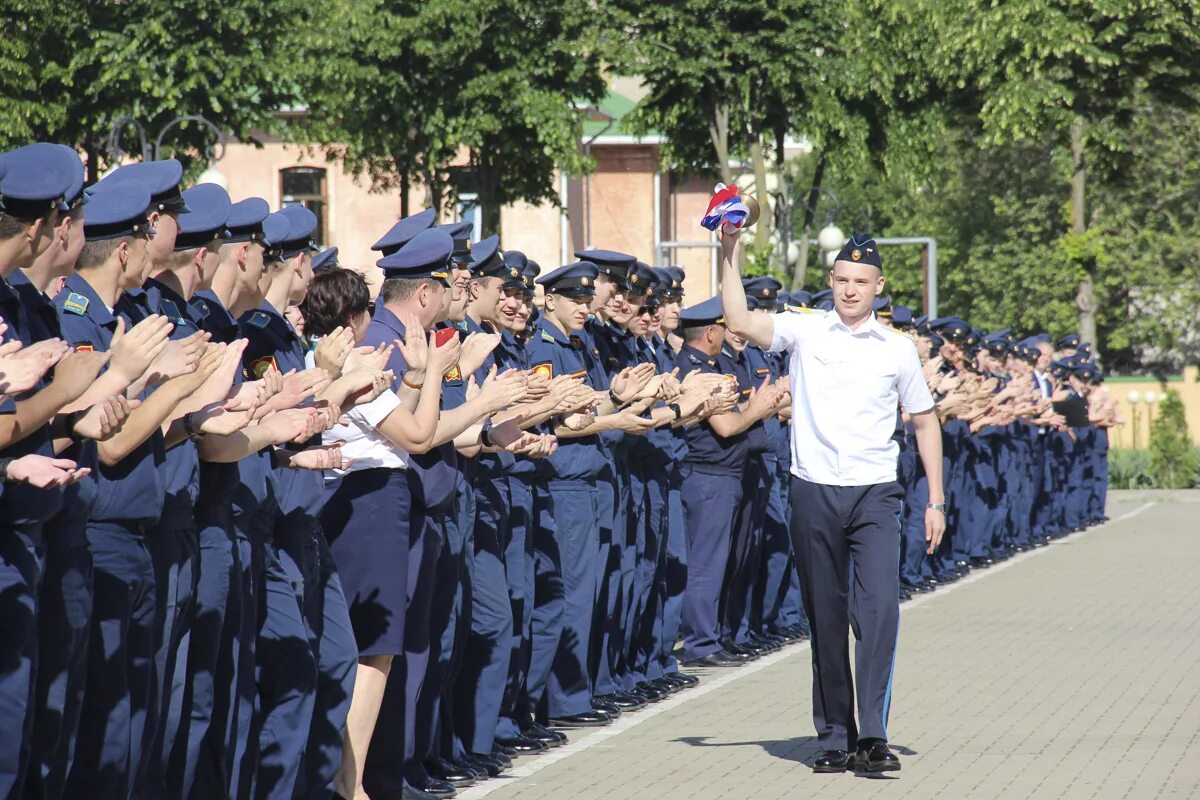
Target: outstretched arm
(758,328)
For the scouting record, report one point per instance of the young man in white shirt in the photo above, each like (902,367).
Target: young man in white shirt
(848,375)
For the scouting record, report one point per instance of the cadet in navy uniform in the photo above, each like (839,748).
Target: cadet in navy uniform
(846,504)
(34,183)
(712,485)
(112,750)
(221,659)
(174,539)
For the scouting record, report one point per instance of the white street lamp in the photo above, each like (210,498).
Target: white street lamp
(831,238)
(1134,397)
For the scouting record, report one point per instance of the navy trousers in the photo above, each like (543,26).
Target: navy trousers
(847,546)
(673,577)
(709,501)
(549,603)
(20,574)
(605,626)
(575,515)
(112,739)
(64,629)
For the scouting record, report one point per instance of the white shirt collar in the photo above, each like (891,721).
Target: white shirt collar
(870,326)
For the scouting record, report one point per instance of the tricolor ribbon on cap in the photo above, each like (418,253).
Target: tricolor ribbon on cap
(725,208)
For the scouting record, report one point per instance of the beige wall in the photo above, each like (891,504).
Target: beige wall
(619,198)
(1128,434)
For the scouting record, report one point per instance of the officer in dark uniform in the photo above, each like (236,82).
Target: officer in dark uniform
(712,489)
(34,184)
(174,540)
(112,750)
(221,660)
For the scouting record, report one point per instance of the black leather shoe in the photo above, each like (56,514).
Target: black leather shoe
(523,746)
(733,650)
(650,692)
(682,677)
(874,756)
(905,594)
(833,761)
(503,752)
(479,762)
(453,774)
(665,686)
(588,719)
(717,659)
(621,700)
(413,793)
(432,788)
(545,735)
(979,562)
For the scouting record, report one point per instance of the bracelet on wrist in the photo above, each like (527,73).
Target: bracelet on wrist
(485,438)
(5,463)
(69,421)
(678,411)
(189,426)
(616,401)
(404,380)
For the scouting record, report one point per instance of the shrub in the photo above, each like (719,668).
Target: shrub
(1173,461)
(1129,469)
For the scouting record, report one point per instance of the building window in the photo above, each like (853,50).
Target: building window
(468,211)
(306,186)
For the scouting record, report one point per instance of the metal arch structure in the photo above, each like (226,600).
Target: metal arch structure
(212,153)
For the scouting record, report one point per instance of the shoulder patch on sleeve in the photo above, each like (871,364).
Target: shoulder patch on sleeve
(259,320)
(260,366)
(545,368)
(454,374)
(76,304)
(84,347)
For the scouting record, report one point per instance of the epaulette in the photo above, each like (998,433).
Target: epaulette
(259,320)
(546,337)
(76,304)
(799,310)
(201,308)
(695,360)
(169,310)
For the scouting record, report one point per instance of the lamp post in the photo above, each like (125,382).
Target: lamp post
(1151,398)
(1134,397)
(212,153)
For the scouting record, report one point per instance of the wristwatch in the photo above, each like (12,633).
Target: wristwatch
(937,507)
(190,428)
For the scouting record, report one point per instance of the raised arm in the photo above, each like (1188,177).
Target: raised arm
(758,328)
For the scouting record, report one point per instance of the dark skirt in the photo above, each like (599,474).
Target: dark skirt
(367,522)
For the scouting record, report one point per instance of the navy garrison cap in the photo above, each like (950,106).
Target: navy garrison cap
(761,291)
(208,211)
(708,312)
(997,343)
(326,259)
(37,179)
(245,221)
(117,211)
(860,249)
(669,287)
(882,306)
(302,224)
(1084,351)
(404,230)
(275,230)
(935,341)
(486,260)
(75,195)
(456,229)
(611,263)
(572,280)
(902,317)
(800,299)
(640,278)
(675,287)
(951,328)
(426,255)
(1088,373)
(161,178)
(515,263)
(532,270)
(1070,341)
(822,300)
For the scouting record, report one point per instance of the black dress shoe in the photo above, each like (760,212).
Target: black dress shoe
(833,761)
(523,746)
(717,659)
(734,650)
(453,774)
(413,793)
(607,708)
(588,719)
(622,701)
(682,677)
(490,767)
(905,594)
(650,691)
(874,756)
(432,788)
(504,751)
(665,686)
(544,734)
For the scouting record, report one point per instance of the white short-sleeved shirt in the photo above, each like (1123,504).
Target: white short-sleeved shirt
(363,444)
(845,389)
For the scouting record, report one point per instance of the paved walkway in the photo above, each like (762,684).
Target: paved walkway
(1072,671)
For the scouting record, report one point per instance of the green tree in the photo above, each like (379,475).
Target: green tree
(1173,457)
(1081,73)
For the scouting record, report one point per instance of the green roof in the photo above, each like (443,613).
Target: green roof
(611,109)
